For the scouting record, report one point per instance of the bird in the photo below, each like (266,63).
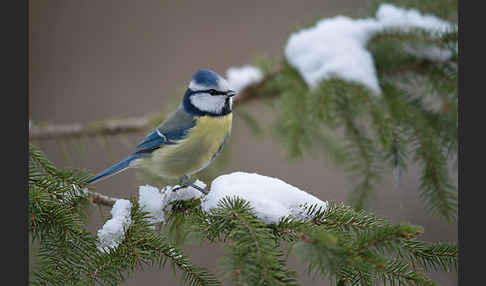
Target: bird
(190,138)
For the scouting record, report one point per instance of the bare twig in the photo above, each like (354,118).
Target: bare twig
(118,126)
(101,199)
(105,127)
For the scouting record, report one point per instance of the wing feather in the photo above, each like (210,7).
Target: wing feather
(175,128)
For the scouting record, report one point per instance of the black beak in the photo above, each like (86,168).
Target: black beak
(230,93)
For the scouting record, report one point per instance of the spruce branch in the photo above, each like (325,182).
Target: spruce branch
(44,175)
(442,39)
(142,246)
(431,256)
(69,255)
(436,190)
(253,258)
(354,247)
(402,274)
(357,247)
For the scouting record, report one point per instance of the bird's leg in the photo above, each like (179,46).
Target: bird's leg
(185,182)
(202,190)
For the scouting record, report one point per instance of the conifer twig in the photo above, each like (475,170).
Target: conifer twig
(101,199)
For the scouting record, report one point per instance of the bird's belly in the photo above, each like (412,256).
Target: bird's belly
(195,152)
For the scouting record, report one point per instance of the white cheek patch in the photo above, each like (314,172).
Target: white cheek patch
(208,103)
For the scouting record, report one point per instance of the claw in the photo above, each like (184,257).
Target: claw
(185,182)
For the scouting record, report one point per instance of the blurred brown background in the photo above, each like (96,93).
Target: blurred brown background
(91,60)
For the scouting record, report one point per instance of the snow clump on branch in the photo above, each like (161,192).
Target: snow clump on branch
(113,231)
(270,198)
(336,47)
(157,202)
(241,77)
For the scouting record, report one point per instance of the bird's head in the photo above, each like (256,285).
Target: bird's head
(208,94)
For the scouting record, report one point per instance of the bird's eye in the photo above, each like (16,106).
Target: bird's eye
(213,92)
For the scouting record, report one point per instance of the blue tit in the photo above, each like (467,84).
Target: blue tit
(189,139)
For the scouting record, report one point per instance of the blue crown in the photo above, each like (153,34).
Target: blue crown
(206,77)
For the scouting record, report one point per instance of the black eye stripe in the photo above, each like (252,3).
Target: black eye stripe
(210,91)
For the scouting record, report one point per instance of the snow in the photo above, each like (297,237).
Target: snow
(241,77)
(336,47)
(113,230)
(152,200)
(157,202)
(270,198)
(390,16)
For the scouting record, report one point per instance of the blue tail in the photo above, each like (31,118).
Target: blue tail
(114,169)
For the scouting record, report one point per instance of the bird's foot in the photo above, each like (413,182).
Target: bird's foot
(185,182)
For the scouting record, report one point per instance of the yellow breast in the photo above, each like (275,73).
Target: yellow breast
(195,152)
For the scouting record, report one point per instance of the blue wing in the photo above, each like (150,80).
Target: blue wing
(151,142)
(175,128)
(169,132)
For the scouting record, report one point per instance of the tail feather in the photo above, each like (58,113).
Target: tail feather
(118,167)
